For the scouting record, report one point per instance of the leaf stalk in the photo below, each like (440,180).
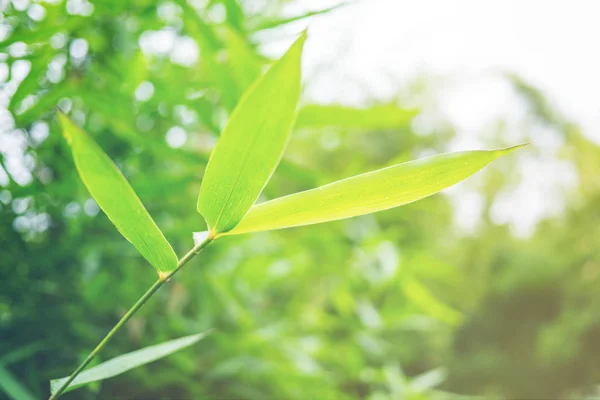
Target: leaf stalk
(163,278)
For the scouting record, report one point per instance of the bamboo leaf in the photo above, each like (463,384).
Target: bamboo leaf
(30,84)
(251,144)
(125,362)
(367,193)
(117,199)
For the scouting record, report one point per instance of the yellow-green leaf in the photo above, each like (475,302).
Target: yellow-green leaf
(367,193)
(252,143)
(116,198)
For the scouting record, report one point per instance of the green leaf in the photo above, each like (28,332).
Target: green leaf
(376,117)
(30,84)
(126,362)
(12,387)
(235,13)
(429,379)
(420,295)
(251,144)
(367,193)
(117,199)
(21,353)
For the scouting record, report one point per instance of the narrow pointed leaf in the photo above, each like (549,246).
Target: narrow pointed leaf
(12,387)
(116,198)
(252,143)
(270,24)
(367,193)
(123,363)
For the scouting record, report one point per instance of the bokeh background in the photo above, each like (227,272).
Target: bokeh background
(488,290)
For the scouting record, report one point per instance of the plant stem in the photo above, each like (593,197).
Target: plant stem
(164,278)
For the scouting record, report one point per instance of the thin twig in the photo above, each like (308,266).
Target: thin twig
(163,278)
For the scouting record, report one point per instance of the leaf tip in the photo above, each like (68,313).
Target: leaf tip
(207,332)
(508,150)
(301,39)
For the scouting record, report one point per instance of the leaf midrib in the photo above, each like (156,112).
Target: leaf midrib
(239,175)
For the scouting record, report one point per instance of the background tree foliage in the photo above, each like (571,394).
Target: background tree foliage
(400,304)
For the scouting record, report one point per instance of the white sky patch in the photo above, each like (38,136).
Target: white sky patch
(468,209)
(36,12)
(78,48)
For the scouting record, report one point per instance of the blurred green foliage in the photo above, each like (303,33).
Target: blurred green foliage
(400,304)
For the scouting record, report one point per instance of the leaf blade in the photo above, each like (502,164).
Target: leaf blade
(116,197)
(367,193)
(251,144)
(125,362)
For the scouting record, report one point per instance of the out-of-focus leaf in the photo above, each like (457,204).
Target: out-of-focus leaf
(274,23)
(536,100)
(126,362)
(117,199)
(137,73)
(422,297)
(124,126)
(298,173)
(235,14)
(198,28)
(245,63)
(367,193)
(41,34)
(30,85)
(251,144)
(376,117)
(12,387)
(21,353)
(44,103)
(429,379)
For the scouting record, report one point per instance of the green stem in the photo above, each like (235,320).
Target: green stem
(164,278)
